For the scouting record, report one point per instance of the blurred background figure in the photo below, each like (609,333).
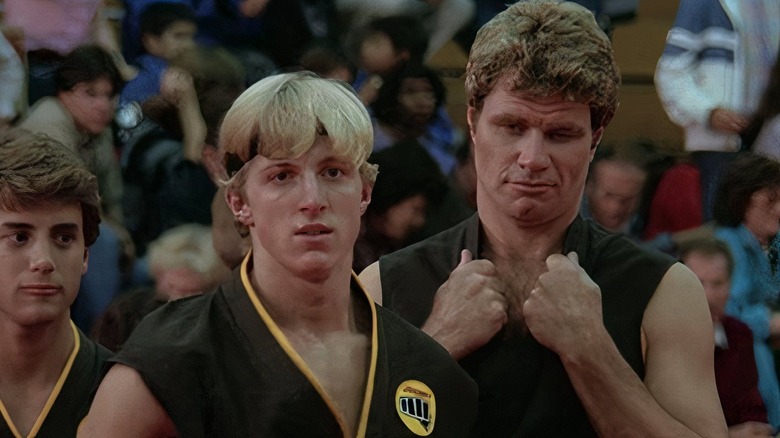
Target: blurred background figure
(615,185)
(167,31)
(408,185)
(183,262)
(51,29)
(711,76)
(442,19)
(735,365)
(747,214)
(167,172)
(409,106)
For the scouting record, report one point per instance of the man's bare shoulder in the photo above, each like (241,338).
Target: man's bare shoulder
(125,407)
(371,280)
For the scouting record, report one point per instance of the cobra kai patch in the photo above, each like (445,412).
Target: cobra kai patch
(416,405)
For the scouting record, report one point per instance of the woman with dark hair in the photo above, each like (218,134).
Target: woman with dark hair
(410,106)
(747,213)
(408,184)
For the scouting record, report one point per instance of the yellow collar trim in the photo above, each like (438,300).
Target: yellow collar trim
(296,358)
(54,392)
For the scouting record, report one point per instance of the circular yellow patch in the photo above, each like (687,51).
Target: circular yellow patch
(416,405)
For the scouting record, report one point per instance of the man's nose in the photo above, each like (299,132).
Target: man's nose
(533,151)
(312,194)
(41,259)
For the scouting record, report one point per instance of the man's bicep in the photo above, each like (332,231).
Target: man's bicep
(680,350)
(372,282)
(125,407)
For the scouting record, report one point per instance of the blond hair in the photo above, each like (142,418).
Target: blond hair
(546,48)
(281,117)
(188,246)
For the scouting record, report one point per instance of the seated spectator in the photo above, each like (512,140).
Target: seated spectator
(442,19)
(80,117)
(166,178)
(747,214)
(407,108)
(183,263)
(167,30)
(735,365)
(49,216)
(51,29)
(613,191)
(383,47)
(408,185)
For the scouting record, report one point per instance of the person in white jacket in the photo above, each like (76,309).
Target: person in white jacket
(711,76)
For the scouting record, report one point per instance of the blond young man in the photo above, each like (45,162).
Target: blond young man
(292,346)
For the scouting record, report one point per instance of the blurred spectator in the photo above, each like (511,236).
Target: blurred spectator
(735,365)
(328,61)
(54,28)
(442,18)
(12,73)
(409,183)
(263,34)
(382,47)
(183,262)
(616,181)
(747,212)
(80,118)
(712,74)
(763,133)
(167,30)
(167,180)
(410,106)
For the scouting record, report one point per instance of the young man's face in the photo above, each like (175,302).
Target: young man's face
(304,213)
(713,272)
(91,104)
(614,191)
(42,259)
(175,40)
(531,156)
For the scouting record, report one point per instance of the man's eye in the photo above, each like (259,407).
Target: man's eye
(333,172)
(19,237)
(282,176)
(65,239)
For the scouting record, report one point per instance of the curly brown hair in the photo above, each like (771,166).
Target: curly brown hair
(546,48)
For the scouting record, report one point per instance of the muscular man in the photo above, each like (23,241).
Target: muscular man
(567,330)
(49,216)
(292,346)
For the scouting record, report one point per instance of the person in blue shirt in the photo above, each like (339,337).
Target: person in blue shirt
(747,212)
(167,31)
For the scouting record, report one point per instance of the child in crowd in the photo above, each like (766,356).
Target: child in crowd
(49,216)
(167,30)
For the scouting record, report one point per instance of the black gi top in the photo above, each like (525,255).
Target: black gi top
(72,394)
(523,388)
(220,366)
